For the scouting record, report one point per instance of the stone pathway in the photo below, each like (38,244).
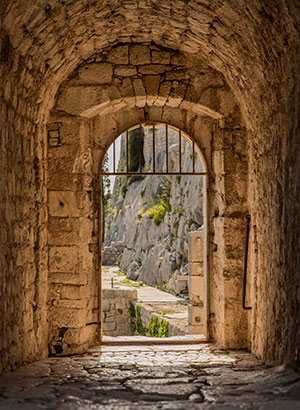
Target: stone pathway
(151,377)
(166,305)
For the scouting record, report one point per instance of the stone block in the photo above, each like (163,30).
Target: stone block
(196,245)
(95,73)
(139,54)
(106,305)
(62,203)
(74,278)
(87,334)
(196,269)
(160,57)
(63,259)
(125,71)
(118,55)
(178,59)
(177,75)
(152,86)
(152,69)
(196,315)
(74,292)
(127,89)
(67,317)
(196,330)
(139,88)
(165,88)
(196,289)
(69,303)
(108,327)
(75,100)
(180,283)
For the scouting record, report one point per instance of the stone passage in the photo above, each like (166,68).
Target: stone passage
(150,377)
(226,72)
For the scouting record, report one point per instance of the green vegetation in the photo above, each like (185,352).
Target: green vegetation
(120,311)
(141,330)
(168,312)
(157,212)
(155,328)
(157,208)
(131,310)
(164,329)
(128,282)
(184,259)
(177,266)
(191,222)
(178,179)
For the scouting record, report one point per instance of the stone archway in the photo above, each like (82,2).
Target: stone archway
(182,170)
(97,103)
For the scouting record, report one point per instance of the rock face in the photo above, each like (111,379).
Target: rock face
(111,254)
(153,215)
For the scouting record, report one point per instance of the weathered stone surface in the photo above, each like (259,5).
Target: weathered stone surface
(139,54)
(63,203)
(125,71)
(256,48)
(96,73)
(116,317)
(151,377)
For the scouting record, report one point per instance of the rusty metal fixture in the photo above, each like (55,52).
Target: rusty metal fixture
(248,218)
(154,172)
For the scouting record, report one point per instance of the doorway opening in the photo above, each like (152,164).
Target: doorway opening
(153,270)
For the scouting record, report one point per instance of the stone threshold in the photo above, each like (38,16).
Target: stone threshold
(145,340)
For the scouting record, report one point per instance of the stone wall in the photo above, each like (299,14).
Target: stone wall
(116,317)
(23,244)
(72,228)
(254,46)
(91,103)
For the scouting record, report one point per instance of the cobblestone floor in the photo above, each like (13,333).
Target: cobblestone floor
(151,377)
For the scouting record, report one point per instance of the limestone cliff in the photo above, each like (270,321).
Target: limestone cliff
(152,216)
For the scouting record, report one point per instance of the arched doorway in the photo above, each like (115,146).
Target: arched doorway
(170,155)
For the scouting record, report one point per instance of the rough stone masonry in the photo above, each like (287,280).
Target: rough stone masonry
(240,102)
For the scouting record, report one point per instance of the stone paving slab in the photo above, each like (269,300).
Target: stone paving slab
(151,377)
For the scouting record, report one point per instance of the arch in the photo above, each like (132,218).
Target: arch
(153,125)
(199,271)
(261,66)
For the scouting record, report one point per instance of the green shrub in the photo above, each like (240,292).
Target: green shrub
(164,328)
(141,330)
(131,310)
(157,212)
(158,328)
(153,327)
